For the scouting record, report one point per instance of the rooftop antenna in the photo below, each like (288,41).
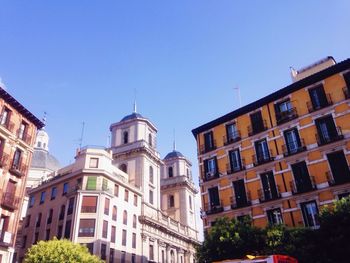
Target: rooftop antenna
(135,109)
(239,95)
(174,141)
(44,119)
(82,135)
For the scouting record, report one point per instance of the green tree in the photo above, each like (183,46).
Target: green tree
(230,238)
(57,251)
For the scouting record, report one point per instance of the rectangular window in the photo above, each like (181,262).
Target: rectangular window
(70,206)
(24,242)
(262,152)
(38,220)
(284,111)
(133,258)
(53,192)
(327,132)
(59,232)
(22,130)
(5,117)
(232,134)
(116,190)
(209,143)
(269,190)
(235,161)
(67,229)
(103,251)
(105,229)
(91,183)
(133,240)
(47,234)
(126,195)
(114,213)
(293,143)
(16,164)
(274,216)
(49,218)
(310,214)
(93,163)
(210,168)
(302,181)
(106,210)
(318,98)
(42,197)
(27,221)
(31,201)
(214,197)
(104,184)
(65,188)
(257,123)
(240,194)
(86,228)
(190,201)
(123,256)
(151,197)
(124,237)
(151,252)
(89,204)
(339,167)
(111,255)
(135,200)
(113,230)
(171,201)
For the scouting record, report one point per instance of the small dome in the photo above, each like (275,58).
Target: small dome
(44,160)
(174,154)
(132,116)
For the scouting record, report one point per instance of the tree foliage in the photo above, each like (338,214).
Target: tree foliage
(57,251)
(229,238)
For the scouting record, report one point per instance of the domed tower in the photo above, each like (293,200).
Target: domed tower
(133,143)
(177,189)
(43,163)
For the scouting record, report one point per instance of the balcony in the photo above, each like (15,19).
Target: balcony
(207,176)
(336,181)
(9,125)
(18,170)
(293,148)
(4,160)
(329,136)
(88,209)
(261,159)
(241,204)
(255,129)
(231,170)
(213,208)
(10,201)
(265,196)
(208,148)
(231,138)
(303,188)
(285,116)
(6,239)
(327,102)
(24,137)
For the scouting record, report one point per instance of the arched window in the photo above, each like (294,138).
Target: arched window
(171,201)
(125,217)
(114,213)
(150,139)
(134,221)
(123,167)
(39,144)
(172,256)
(188,172)
(125,137)
(170,171)
(151,174)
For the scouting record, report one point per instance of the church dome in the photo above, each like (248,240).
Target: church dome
(132,116)
(173,154)
(42,159)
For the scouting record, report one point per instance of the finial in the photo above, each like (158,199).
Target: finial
(135,109)
(174,141)
(44,119)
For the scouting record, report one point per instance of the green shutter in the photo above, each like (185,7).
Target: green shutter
(104,184)
(91,183)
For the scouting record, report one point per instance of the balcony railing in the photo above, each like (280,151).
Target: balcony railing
(208,148)
(88,209)
(329,136)
(269,195)
(303,188)
(245,203)
(231,170)
(207,176)
(293,147)
(8,125)
(263,158)
(18,169)
(346,92)
(10,201)
(255,129)
(232,137)
(327,102)
(213,208)
(6,239)
(4,160)
(287,115)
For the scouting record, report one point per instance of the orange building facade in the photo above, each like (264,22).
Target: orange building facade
(282,157)
(17,133)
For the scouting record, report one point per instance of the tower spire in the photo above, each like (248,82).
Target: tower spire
(135,108)
(174,141)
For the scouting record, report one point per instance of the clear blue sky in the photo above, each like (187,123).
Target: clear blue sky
(82,60)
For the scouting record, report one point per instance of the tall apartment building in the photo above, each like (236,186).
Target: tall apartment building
(17,132)
(124,202)
(281,158)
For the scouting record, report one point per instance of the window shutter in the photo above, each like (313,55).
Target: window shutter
(91,183)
